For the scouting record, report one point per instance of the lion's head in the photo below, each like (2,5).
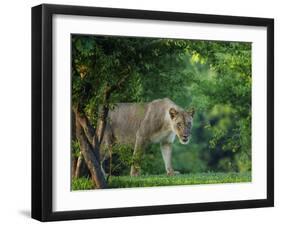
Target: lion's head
(181,122)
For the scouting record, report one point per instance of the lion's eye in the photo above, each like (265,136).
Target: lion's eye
(179,124)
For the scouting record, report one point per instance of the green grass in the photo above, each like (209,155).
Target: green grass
(163,180)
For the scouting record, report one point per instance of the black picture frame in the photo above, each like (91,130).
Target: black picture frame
(42,111)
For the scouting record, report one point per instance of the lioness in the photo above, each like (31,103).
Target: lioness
(159,121)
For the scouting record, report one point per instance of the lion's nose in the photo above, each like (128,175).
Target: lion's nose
(185,136)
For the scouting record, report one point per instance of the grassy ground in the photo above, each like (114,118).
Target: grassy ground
(163,180)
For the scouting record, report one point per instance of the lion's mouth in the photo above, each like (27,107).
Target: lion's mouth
(184,140)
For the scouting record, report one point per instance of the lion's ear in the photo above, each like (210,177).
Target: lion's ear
(191,111)
(173,113)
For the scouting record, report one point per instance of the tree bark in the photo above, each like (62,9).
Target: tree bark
(91,160)
(79,164)
(84,122)
(101,126)
(79,167)
(89,132)
(73,166)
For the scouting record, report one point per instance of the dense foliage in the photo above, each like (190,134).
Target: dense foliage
(212,76)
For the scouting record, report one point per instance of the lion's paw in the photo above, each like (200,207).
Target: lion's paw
(173,173)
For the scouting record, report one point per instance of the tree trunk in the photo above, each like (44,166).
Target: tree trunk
(90,158)
(73,166)
(90,139)
(79,165)
(89,132)
(81,169)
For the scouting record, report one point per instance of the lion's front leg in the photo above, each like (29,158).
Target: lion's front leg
(137,155)
(166,150)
